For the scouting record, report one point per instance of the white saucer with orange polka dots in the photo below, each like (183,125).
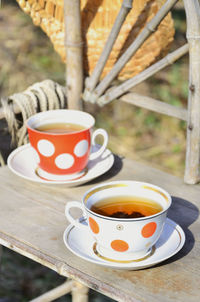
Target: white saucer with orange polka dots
(23,161)
(81,243)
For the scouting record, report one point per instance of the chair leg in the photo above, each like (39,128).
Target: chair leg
(1,250)
(79,292)
(56,293)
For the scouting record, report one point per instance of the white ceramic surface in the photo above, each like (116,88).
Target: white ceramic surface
(23,162)
(170,242)
(120,238)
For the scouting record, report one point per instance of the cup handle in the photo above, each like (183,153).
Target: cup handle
(103,147)
(70,218)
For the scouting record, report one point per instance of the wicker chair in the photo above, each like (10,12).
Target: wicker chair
(98,17)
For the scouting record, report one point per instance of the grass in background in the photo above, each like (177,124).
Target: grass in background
(22,280)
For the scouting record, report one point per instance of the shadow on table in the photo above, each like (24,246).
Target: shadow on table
(114,170)
(183,213)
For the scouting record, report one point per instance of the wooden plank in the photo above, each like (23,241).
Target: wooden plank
(32,222)
(192,172)
(73,45)
(154,105)
(117,91)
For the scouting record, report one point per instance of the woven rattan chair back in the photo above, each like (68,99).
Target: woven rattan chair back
(98,17)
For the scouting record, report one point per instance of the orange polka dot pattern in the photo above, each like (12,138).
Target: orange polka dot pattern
(149,229)
(93,225)
(119,245)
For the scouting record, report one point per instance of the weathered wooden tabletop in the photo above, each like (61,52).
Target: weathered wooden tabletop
(32,223)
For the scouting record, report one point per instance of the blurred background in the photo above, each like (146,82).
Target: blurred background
(27,56)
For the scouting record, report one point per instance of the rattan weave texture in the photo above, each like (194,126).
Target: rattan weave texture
(98,17)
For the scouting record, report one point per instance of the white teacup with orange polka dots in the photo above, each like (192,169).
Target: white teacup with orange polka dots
(122,239)
(64,153)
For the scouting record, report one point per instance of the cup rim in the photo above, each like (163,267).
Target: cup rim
(49,112)
(158,189)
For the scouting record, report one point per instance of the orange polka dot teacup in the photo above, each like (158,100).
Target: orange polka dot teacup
(63,139)
(126,218)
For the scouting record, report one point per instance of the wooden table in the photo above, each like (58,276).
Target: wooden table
(32,223)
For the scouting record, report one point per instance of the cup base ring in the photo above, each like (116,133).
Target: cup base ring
(55,177)
(132,257)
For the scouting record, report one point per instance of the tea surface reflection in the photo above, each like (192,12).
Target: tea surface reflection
(126,207)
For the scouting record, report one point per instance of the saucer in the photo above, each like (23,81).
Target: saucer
(170,242)
(23,161)
(53,177)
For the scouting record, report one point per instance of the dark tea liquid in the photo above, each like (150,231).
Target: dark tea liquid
(126,207)
(60,128)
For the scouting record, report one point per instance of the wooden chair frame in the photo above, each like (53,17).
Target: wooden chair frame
(95,91)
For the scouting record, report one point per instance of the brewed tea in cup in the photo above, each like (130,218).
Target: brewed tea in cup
(126,218)
(63,139)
